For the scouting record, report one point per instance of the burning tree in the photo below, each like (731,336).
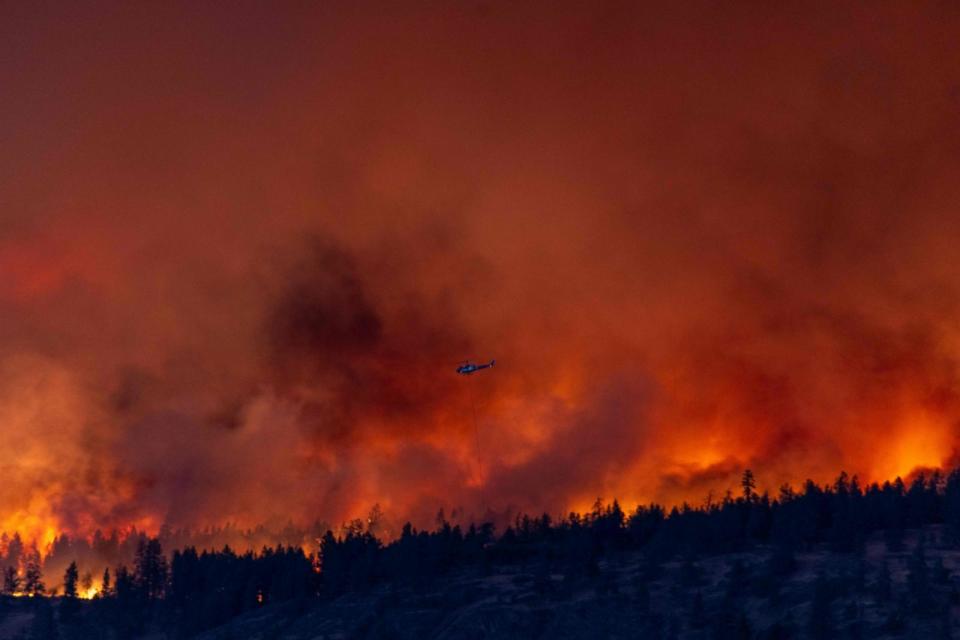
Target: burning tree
(11,581)
(70,579)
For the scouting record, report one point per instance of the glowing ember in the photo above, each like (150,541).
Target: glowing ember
(89,594)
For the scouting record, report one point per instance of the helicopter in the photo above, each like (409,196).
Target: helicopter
(466,368)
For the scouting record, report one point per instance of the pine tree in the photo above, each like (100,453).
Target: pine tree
(33,576)
(11,581)
(951,505)
(70,579)
(129,614)
(15,550)
(150,569)
(749,484)
(69,605)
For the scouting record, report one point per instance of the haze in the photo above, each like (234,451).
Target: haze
(243,248)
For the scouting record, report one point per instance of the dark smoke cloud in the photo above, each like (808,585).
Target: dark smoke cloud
(241,255)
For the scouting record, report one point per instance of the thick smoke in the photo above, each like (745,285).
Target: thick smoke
(241,253)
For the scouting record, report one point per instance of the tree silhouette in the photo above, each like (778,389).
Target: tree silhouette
(70,579)
(665,550)
(128,601)
(69,606)
(150,569)
(15,550)
(11,581)
(33,576)
(749,485)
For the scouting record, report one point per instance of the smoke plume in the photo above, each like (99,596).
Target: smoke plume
(243,250)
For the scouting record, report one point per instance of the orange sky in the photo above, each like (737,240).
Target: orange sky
(243,247)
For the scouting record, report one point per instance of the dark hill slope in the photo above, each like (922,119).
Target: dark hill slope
(871,593)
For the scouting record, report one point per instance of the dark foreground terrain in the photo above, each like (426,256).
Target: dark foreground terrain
(870,595)
(874,593)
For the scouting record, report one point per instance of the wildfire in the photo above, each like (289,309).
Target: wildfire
(921,442)
(33,528)
(675,290)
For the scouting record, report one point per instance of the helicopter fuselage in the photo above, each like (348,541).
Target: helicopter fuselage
(468,368)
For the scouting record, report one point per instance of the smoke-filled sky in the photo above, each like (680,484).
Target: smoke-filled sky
(243,247)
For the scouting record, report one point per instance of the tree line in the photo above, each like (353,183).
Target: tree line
(192,590)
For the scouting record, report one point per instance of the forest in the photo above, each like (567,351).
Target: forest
(186,591)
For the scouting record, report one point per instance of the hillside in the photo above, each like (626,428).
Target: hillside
(737,595)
